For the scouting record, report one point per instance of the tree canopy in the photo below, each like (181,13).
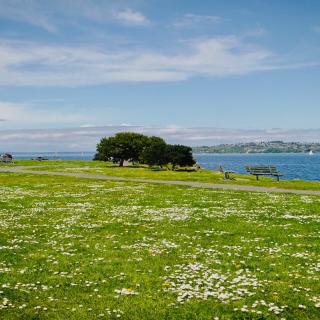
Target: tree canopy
(155,152)
(124,146)
(135,147)
(180,155)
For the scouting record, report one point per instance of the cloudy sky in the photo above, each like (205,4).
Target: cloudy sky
(192,71)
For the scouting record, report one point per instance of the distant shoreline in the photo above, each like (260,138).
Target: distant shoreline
(282,152)
(273,147)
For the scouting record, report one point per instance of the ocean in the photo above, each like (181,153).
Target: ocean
(292,165)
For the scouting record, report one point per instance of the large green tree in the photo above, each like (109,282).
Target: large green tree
(123,146)
(155,152)
(179,155)
(138,147)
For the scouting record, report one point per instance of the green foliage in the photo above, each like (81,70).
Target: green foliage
(155,152)
(180,155)
(123,146)
(140,148)
(103,150)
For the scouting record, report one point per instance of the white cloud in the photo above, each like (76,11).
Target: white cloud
(27,63)
(14,113)
(131,17)
(8,111)
(30,12)
(52,15)
(190,20)
(85,139)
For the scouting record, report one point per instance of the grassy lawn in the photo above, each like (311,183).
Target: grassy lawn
(98,167)
(79,249)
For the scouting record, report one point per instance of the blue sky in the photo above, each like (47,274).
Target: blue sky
(245,65)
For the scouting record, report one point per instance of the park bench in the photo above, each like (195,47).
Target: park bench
(40,158)
(264,171)
(226,173)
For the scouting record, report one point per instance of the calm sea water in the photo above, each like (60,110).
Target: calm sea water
(54,155)
(293,166)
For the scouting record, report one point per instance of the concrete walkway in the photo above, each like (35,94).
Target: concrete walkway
(236,187)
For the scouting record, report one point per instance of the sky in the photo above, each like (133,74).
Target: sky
(194,72)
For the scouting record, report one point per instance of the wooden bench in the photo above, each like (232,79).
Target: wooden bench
(40,158)
(264,171)
(226,173)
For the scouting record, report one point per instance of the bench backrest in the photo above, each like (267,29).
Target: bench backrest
(262,170)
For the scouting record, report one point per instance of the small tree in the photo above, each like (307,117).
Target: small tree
(180,155)
(155,152)
(123,146)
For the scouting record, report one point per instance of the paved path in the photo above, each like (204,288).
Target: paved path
(171,182)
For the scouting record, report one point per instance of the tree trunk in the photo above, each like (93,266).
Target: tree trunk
(121,162)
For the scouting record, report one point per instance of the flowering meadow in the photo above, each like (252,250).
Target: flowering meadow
(72,248)
(146,172)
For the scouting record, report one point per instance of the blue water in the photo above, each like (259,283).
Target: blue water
(54,155)
(293,166)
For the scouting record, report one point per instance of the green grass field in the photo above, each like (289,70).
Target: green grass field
(103,168)
(86,249)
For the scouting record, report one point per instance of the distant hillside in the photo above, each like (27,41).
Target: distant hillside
(261,147)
